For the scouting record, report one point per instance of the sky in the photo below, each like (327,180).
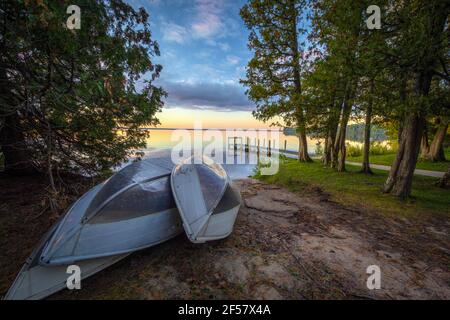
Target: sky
(204,52)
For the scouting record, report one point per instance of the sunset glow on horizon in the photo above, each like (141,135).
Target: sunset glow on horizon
(187,118)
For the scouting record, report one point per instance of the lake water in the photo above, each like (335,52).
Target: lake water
(169,138)
(238,163)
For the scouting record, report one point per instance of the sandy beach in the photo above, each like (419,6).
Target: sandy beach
(284,246)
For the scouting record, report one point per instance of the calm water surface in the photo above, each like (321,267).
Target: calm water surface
(168,138)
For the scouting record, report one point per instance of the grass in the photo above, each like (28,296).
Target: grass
(356,189)
(388,159)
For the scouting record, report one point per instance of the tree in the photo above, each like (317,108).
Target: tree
(274,74)
(338,28)
(368,123)
(436,148)
(418,45)
(65,93)
(373,79)
(440,114)
(323,91)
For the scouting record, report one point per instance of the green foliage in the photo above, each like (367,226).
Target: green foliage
(354,150)
(355,132)
(319,149)
(395,78)
(289,131)
(376,148)
(272,74)
(72,89)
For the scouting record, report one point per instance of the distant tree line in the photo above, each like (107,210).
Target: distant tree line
(317,66)
(355,132)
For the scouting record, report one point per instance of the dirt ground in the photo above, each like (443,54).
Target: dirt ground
(284,246)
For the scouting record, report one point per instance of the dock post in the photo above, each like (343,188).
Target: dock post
(247,144)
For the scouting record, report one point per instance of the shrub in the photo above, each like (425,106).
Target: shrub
(319,149)
(379,148)
(376,148)
(354,150)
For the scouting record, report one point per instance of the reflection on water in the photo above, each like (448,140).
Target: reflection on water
(241,164)
(238,164)
(161,142)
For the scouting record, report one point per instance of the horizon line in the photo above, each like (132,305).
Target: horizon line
(191,129)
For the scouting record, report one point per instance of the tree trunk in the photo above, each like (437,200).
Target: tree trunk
(330,139)
(300,117)
(402,91)
(424,145)
(340,151)
(366,164)
(13,146)
(329,144)
(302,143)
(12,141)
(436,150)
(335,150)
(326,155)
(400,131)
(400,177)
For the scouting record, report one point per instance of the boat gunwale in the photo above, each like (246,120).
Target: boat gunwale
(66,261)
(27,264)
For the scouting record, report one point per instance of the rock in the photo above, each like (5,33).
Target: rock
(257,261)
(389,255)
(419,265)
(264,292)
(436,232)
(267,205)
(166,288)
(278,275)
(233,269)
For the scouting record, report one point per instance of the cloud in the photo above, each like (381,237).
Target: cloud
(208,21)
(233,60)
(226,96)
(224,46)
(174,33)
(208,27)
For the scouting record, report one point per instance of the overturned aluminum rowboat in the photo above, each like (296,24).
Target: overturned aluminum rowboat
(206,199)
(37,282)
(132,210)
